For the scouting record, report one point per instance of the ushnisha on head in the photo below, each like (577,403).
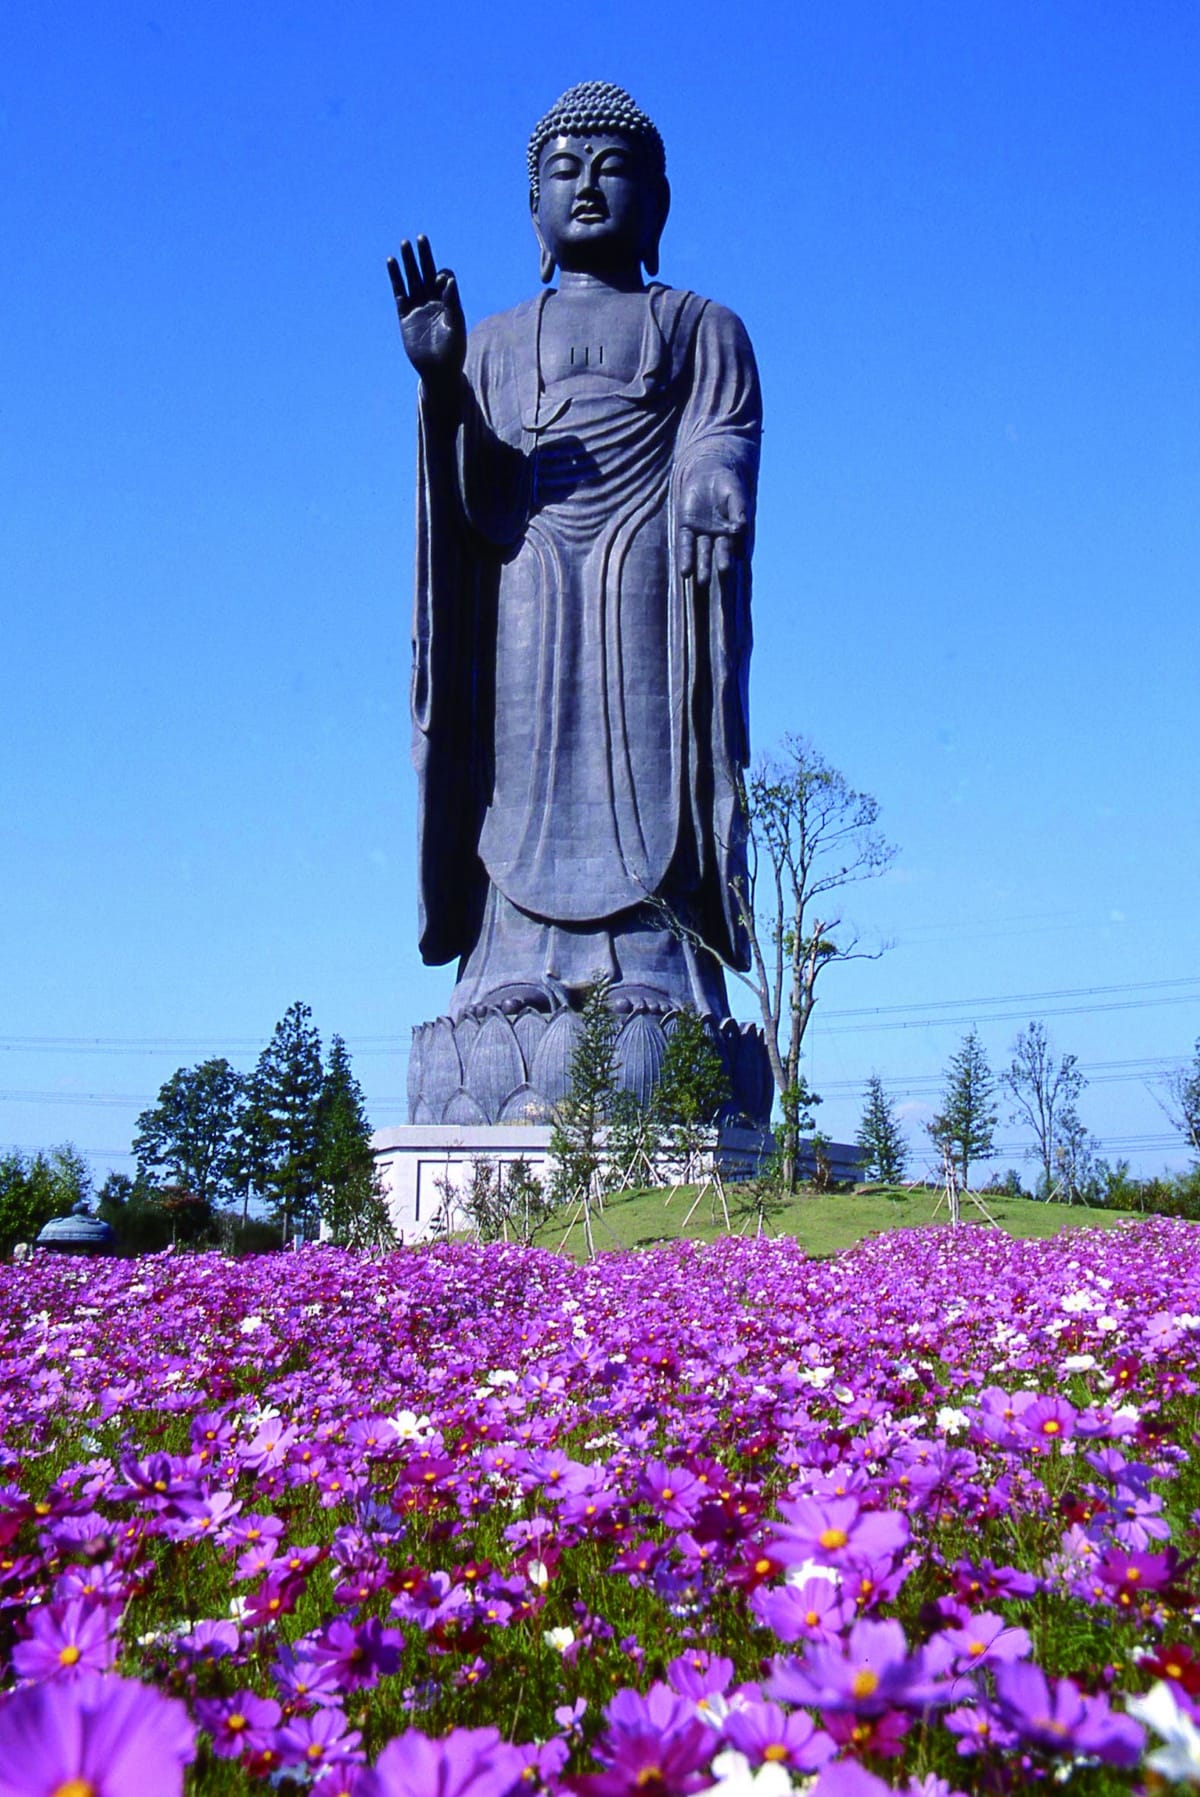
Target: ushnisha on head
(598,187)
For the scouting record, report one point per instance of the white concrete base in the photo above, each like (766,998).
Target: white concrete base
(423,1164)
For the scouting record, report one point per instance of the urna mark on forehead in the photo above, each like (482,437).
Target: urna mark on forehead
(596,108)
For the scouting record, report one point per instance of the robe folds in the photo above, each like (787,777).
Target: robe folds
(579,707)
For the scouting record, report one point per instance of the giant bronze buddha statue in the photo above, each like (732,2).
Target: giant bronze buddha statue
(587,472)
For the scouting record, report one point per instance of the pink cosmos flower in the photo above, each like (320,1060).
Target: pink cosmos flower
(768,1735)
(239,1724)
(67,1640)
(872,1671)
(836,1532)
(984,1640)
(673,1492)
(813,1611)
(323,1739)
(111,1737)
(1060,1719)
(468,1762)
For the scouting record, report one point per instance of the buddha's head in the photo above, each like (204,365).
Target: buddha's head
(598,184)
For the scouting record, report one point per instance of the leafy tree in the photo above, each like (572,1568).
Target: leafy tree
(809,834)
(283,1141)
(1183,1088)
(692,1082)
(187,1138)
(884,1151)
(1043,1092)
(353,1206)
(692,1087)
(966,1123)
(579,1120)
(34,1191)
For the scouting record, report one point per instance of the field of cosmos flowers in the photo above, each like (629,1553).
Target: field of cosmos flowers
(465,1522)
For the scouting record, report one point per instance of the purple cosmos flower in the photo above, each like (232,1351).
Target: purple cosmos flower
(67,1640)
(359,1656)
(836,1532)
(469,1762)
(323,1739)
(239,1724)
(110,1737)
(672,1491)
(813,1611)
(872,1671)
(1061,1720)
(982,1641)
(653,1744)
(768,1735)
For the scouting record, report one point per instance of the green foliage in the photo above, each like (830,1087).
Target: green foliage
(186,1138)
(502,1200)
(353,1206)
(284,1121)
(692,1082)
(33,1191)
(966,1123)
(579,1120)
(880,1137)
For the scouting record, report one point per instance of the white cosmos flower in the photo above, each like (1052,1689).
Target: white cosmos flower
(558,1639)
(736,1777)
(1179,1758)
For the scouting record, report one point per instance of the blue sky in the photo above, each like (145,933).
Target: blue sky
(964,241)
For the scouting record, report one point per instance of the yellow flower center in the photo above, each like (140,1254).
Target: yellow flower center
(68,1655)
(975,1648)
(236,1722)
(75,1787)
(776,1751)
(1050,1427)
(866,1683)
(831,1538)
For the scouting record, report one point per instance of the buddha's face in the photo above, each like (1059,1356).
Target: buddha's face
(597,211)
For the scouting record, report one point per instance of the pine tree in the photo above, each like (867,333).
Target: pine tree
(575,1146)
(966,1123)
(284,1117)
(880,1137)
(353,1207)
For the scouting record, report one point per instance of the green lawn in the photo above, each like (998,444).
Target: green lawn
(824,1225)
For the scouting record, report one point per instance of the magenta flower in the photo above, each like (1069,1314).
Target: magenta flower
(872,1671)
(469,1762)
(653,1743)
(836,1532)
(1048,1420)
(813,1611)
(672,1491)
(983,1640)
(323,1739)
(67,1640)
(358,1656)
(1061,1720)
(769,1735)
(110,1737)
(239,1724)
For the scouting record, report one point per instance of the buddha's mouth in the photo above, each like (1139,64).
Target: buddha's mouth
(587,212)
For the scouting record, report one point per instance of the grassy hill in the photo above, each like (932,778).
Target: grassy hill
(823,1224)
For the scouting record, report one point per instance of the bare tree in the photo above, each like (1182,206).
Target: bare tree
(1183,1108)
(1043,1092)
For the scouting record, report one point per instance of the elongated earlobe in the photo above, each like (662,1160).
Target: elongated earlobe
(546,265)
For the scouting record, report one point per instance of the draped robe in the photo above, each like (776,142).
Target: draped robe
(579,707)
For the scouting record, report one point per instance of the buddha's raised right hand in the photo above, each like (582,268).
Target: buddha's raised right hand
(431,315)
